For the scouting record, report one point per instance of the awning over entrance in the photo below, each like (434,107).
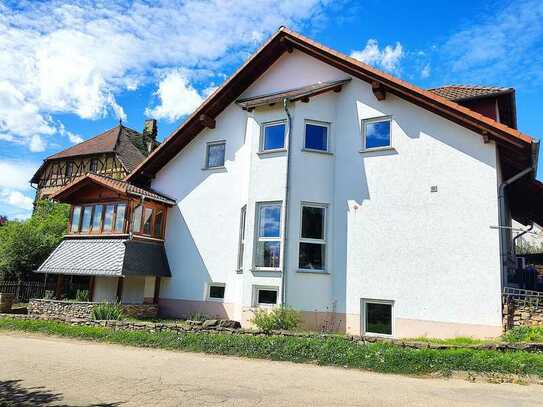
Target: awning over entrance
(107,257)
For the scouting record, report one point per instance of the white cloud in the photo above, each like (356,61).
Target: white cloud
(426,71)
(36,144)
(16,195)
(387,58)
(16,199)
(177,97)
(67,57)
(504,44)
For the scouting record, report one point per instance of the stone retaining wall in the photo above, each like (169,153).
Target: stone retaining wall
(522,312)
(54,309)
(223,327)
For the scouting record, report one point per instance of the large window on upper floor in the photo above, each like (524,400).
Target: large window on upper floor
(268,236)
(376,133)
(312,247)
(273,136)
(148,220)
(316,136)
(98,218)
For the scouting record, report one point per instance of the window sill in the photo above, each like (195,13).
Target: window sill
(266,270)
(310,150)
(215,299)
(221,168)
(272,152)
(378,151)
(307,271)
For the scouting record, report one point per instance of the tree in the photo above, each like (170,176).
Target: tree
(24,245)
(3,220)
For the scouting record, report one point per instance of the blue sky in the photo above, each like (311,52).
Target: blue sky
(70,70)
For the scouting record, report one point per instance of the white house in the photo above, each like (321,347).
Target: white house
(313,180)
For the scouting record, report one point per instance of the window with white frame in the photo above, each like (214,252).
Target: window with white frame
(241,244)
(215,154)
(377,133)
(273,136)
(312,250)
(316,135)
(378,317)
(268,235)
(266,296)
(215,291)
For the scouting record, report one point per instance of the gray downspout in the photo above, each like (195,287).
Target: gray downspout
(503,209)
(287,195)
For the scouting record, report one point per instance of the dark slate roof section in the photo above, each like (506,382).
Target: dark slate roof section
(90,257)
(107,257)
(145,259)
(464,92)
(127,151)
(292,94)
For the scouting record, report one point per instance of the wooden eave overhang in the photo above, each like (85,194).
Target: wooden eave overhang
(293,95)
(69,192)
(514,145)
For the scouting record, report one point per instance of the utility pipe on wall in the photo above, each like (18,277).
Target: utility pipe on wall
(287,194)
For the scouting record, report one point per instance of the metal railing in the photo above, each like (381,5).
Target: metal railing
(522,297)
(23,290)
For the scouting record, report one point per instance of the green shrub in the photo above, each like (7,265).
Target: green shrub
(107,311)
(524,334)
(82,295)
(284,318)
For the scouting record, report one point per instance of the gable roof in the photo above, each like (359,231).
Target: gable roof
(464,92)
(517,146)
(127,143)
(116,185)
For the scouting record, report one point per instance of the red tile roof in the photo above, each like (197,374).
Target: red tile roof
(462,92)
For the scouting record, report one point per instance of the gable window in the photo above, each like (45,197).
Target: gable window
(136,218)
(93,167)
(378,316)
(241,244)
(316,136)
(147,220)
(158,224)
(86,219)
(266,296)
(119,218)
(108,218)
(268,236)
(216,292)
(69,170)
(215,154)
(97,218)
(312,250)
(273,136)
(376,133)
(76,218)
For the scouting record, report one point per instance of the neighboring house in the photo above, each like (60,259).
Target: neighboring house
(114,153)
(313,180)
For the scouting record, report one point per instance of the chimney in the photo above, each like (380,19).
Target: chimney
(149,134)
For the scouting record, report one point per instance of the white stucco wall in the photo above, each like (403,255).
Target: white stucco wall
(105,289)
(389,237)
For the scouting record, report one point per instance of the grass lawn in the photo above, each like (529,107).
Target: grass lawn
(334,351)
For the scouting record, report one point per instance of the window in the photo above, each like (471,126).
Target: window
(87,218)
(97,218)
(316,136)
(108,218)
(312,253)
(216,292)
(147,219)
(136,219)
(119,218)
(376,133)
(241,247)
(268,245)
(377,317)
(215,154)
(273,136)
(93,167)
(76,217)
(159,218)
(266,296)
(69,170)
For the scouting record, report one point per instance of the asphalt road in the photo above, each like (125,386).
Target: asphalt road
(46,371)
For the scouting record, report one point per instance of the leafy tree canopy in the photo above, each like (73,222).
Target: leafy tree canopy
(24,245)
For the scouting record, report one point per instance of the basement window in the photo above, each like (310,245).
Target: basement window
(266,296)
(376,133)
(378,317)
(216,292)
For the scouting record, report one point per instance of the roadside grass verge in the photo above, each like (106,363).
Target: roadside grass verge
(524,334)
(334,351)
(459,341)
